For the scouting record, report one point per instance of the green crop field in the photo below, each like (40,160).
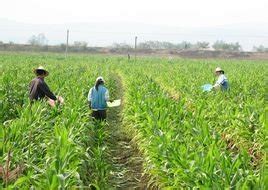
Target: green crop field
(167,134)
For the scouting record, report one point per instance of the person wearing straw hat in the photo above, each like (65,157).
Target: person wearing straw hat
(222,82)
(98,96)
(38,88)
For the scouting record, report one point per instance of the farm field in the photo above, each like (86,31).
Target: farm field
(167,134)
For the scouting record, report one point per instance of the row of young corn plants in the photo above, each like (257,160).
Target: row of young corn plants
(238,114)
(47,148)
(38,141)
(242,107)
(182,148)
(13,85)
(99,154)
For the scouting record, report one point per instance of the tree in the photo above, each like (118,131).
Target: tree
(260,48)
(80,45)
(202,45)
(221,45)
(236,47)
(121,46)
(186,45)
(167,45)
(144,45)
(163,45)
(39,40)
(62,46)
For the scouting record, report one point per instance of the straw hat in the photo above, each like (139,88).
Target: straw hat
(218,69)
(41,68)
(100,79)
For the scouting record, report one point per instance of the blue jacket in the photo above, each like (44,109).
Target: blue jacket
(98,98)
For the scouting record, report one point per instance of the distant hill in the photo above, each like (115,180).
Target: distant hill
(105,33)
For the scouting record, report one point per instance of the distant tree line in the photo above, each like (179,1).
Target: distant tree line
(77,46)
(169,45)
(218,45)
(221,45)
(40,42)
(260,48)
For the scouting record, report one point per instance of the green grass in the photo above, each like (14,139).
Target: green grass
(189,139)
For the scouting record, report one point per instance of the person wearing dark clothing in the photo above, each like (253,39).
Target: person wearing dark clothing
(38,88)
(99,114)
(97,99)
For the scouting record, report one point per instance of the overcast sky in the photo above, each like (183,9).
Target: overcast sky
(181,13)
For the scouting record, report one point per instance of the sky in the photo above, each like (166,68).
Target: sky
(179,13)
(103,22)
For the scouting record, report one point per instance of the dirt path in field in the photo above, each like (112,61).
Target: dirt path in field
(127,164)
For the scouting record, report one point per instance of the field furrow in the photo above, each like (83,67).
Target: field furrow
(127,164)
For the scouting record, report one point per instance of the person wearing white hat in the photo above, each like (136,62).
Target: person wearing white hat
(98,96)
(222,82)
(38,88)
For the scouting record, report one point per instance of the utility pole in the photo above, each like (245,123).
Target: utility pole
(136,39)
(67,43)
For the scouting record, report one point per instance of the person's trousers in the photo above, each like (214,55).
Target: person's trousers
(99,114)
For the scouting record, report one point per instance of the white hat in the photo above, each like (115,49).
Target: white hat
(100,79)
(41,68)
(218,69)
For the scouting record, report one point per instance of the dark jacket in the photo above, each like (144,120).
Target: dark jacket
(39,89)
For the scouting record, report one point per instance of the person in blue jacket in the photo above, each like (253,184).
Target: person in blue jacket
(222,82)
(97,98)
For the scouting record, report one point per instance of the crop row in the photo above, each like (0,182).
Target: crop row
(181,139)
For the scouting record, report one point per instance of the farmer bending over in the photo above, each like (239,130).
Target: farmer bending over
(97,98)
(39,89)
(222,82)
